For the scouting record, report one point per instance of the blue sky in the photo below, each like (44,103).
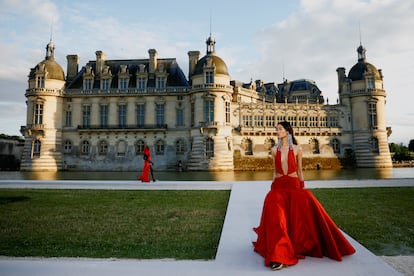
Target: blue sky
(267,40)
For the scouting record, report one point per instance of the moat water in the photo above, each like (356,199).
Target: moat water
(344,174)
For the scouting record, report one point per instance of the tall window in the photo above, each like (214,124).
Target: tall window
(139,147)
(335,145)
(209,110)
(370,83)
(180,117)
(123,83)
(40,82)
(227,111)
(374,145)
(248,147)
(258,120)
(159,147)
(105,84)
(209,77)
(141,83)
(85,147)
(192,114)
(67,146)
(161,82)
(303,121)
(372,113)
(179,146)
(38,116)
(209,151)
(270,121)
(247,120)
(103,115)
(103,147)
(160,115)
(68,118)
(87,84)
(140,114)
(36,148)
(86,115)
(122,115)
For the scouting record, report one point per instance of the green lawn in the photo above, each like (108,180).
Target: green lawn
(122,224)
(177,224)
(381,219)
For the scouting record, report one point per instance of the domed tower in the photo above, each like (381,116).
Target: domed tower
(210,99)
(367,103)
(44,115)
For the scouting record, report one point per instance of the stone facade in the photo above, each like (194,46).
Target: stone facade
(101,116)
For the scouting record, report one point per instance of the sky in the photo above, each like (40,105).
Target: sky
(264,39)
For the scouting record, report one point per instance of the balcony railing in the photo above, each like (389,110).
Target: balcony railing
(128,91)
(36,126)
(123,127)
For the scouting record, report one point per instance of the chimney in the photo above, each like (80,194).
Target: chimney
(153,55)
(193,57)
(341,78)
(73,66)
(100,62)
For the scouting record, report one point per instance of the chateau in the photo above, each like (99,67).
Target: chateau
(99,117)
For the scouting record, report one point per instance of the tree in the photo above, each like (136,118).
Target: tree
(411,145)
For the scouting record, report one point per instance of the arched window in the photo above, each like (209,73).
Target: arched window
(248,147)
(179,146)
(374,145)
(336,145)
(159,147)
(67,146)
(209,148)
(139,147)
(85,147)
(102,147)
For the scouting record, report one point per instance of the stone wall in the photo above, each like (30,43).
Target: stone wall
(250,163)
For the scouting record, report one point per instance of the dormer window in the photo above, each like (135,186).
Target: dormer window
(87,84)
(209,77)
(161,82)
(123,83)
(141,82)
(105,84)
(370,83)
(40,82)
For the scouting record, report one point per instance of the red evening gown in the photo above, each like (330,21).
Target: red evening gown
(294,224)
(145,177)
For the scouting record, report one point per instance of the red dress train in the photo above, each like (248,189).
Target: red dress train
(294,224)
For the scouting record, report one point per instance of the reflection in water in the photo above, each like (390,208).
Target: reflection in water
(348,174)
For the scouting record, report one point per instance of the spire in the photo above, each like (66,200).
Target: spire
(361,50)
(50,47)
(210,41)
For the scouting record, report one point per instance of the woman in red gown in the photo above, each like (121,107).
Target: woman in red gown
(147,166)
(293,223)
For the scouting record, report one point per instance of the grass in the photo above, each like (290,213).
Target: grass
(177,224)
(122,224)
(381,219)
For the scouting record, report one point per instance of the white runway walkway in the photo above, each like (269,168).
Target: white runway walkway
(235,254)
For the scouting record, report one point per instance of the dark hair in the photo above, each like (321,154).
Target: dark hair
(286,125)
